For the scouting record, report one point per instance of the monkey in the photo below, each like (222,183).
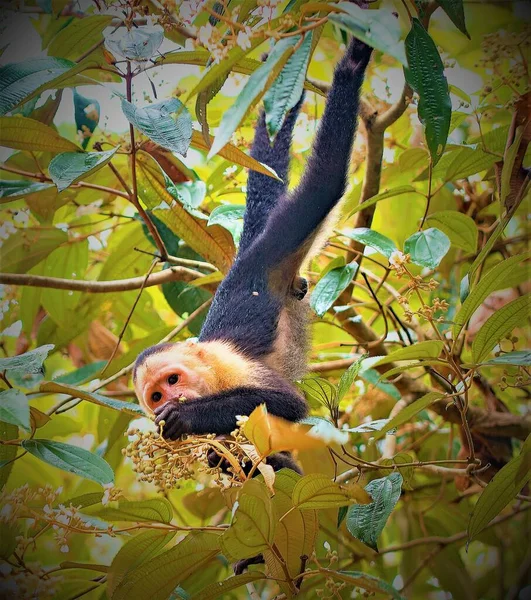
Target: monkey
(254,341)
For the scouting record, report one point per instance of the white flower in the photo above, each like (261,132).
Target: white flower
(243,39)
(65,548)
(205,34)
(398,259)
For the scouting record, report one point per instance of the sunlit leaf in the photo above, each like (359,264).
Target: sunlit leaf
(287,88)
(373,239)
(14,408)
(71,458)
(155,121)
(21,133)
(319,491)
(79,36)
(158,577)
(55,387)
(419,351)
(153,510)
(366,522)
(378,28)
(426,76)
(369,427)
(11,189)
(84,373)
(506,274)
(253,525)
(70,167)
(407,413)
(460,228)
(502,488)
(29,362)
(364,581)
(517,358)
(428,247)
(500,324)
(329,287)
(348,377)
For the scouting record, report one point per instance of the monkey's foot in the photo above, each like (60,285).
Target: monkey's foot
(242,565)
(300,288)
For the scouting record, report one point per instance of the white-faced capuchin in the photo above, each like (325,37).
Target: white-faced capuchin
(254,341)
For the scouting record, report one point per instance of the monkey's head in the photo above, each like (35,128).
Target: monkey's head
(188,370)
(171,373)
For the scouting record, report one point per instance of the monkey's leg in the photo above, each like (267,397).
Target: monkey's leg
(299,288)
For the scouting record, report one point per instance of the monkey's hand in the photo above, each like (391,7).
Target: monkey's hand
(175,420)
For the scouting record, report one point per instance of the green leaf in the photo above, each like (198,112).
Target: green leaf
(521,358)
(500,324)
(366,522)
(373,239)
(230,217)
(21,133)
(502,488)
(426,76)
(70,167)
(465,162)
(506,274)
(134,553)
(29,362)
(319,491)
(218,589)
(81,375)
(287,88)
(252,92)
(508,165)
(20,80)
(373,377)
(54,387)
(428,247)
(26,248)
(190,193)
(71,458)
(14,408)
(369,427)
(407,413)
(154,510)
(378,28)
(11,189)
(329,287)
(419,351)
(460,229)
(79,36)
(348,377)
(158,577)
(156,122)
(397,191)
(364,581)
(253,525)
(455,10)
(137,43)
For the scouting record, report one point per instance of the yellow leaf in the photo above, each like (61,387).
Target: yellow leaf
(319,491)
(21,133)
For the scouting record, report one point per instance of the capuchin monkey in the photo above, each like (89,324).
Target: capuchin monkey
(254,341)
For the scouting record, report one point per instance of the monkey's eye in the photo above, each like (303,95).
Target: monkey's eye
(156,396)
(173,379)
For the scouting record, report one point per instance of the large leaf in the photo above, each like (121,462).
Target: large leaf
(253,525)
(79,36)
(319,491)
(21,133)
(407,413)
(358,579)
(133,553)
(14,408)
(26,248)
(460,228)
(366,522)
(29,362)
(373,239)
(11,189)
(71,458)
(348,377)
(154,510)
(81,375)
(517,358)
(252,92)
(428,247)
(21,81)
(426,76)
(137,43)
(287,88)
(156,122)
(378,28)
(419,351)
(506,274)
(455,10)
(330,286)
(70,167)
(54,387)
(499,324)
(502,488)
(158,577)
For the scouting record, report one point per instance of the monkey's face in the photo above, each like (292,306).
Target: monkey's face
(174,375)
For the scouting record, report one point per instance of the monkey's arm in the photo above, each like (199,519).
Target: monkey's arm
(217,413)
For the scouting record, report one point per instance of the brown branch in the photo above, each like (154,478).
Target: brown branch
(100,287)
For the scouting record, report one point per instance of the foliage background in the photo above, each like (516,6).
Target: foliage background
(88,233)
